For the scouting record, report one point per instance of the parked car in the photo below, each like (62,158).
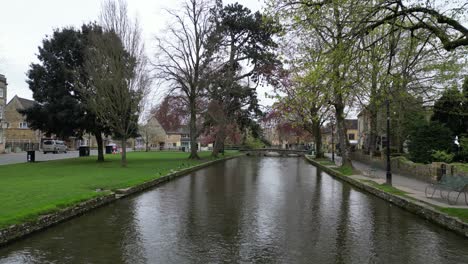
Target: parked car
(54,146)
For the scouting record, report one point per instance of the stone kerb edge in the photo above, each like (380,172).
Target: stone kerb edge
(18,231)
(420,209)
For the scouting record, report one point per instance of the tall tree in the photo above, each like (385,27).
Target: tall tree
(184,55)
(60,107)
(116,65)
(244,54)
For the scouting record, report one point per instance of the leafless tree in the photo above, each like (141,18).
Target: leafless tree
(183,58)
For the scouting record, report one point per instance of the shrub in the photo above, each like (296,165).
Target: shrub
(427,138)
(442,156)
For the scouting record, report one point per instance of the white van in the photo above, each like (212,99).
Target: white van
(54,146)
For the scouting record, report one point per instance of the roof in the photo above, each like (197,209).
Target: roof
(26,103)
(182,130)
(349,123)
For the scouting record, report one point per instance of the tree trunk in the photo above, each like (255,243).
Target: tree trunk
(372,148)
(100,146)
(318,140)
(342,135)
(124,152)
(193,130)
(147,144)
(219,141)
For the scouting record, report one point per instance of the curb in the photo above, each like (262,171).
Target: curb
(421,209)
(19,231)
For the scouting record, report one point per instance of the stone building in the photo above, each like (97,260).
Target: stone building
(3,98)
(18,135)
(352,134)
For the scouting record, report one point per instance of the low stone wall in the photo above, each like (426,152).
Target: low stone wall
(16,232)
(416,207)
(423,172)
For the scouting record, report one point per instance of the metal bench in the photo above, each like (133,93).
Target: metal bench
(452,186)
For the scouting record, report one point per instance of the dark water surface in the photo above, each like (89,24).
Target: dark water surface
(248,210)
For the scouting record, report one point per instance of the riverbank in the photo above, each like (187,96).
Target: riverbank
(37,195)
(454,219)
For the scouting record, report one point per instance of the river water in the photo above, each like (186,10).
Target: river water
(246,210)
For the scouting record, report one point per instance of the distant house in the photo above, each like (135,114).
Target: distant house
(3,124)
(153,135)
(352,131)
(352,135)
(178,138)
(17,133)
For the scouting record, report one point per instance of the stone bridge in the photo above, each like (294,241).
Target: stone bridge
(272,152)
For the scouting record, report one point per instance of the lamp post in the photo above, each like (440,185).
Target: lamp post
(389,166)
(332,143)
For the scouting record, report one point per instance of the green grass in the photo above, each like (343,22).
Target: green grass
(462,214)
(386,188)
(345,170)
(31,189)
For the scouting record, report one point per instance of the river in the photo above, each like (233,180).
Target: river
(246,210)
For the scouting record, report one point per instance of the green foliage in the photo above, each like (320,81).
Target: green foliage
(54,83)
(442,156)
(427,138)
(462,152)
(451,110)
(31,189)
(253,142)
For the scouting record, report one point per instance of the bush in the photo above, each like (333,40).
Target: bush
(427,138)
(462,152)
(442,156)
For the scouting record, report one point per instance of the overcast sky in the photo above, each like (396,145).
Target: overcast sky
(24,23)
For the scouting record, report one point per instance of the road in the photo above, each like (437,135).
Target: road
(12,158)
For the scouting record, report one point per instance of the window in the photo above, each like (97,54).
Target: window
(1,110)
(23,125)
(1,93)
(174,144)
(351,136)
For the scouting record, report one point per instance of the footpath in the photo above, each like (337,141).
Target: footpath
(413,187)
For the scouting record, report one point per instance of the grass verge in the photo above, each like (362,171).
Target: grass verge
(28,190)
(459,213)
(387,188)
(345,170)
(462,214)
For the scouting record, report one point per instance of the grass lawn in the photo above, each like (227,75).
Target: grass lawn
(31,189)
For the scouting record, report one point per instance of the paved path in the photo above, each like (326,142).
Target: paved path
(12,158)
(416,188)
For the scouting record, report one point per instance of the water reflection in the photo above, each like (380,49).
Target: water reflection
(263,210)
